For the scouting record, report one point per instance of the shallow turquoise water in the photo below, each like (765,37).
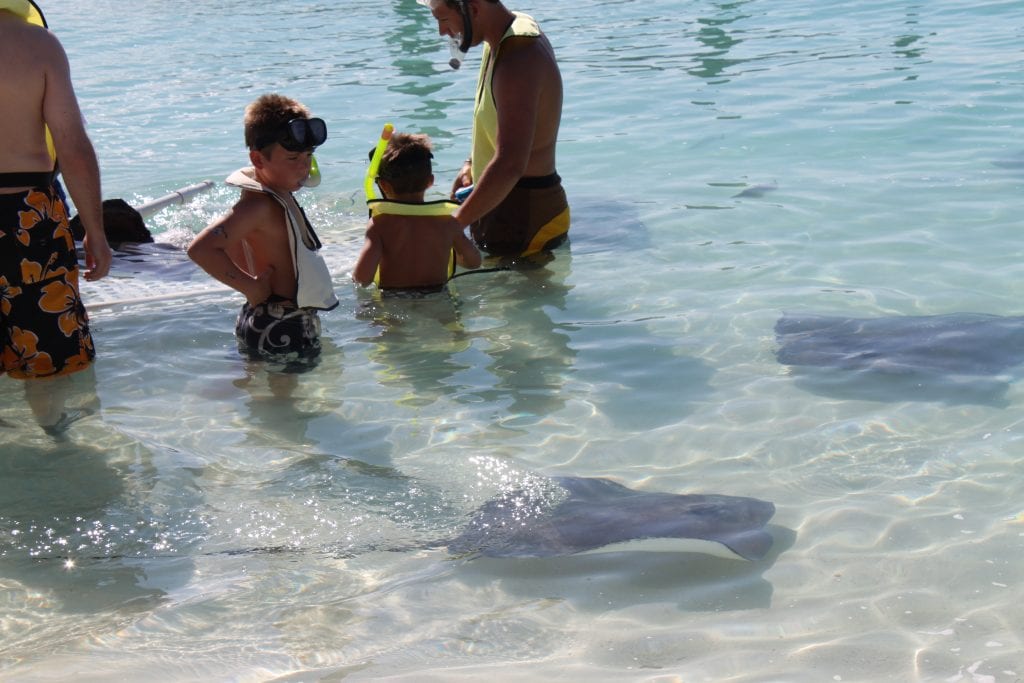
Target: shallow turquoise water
(728,163)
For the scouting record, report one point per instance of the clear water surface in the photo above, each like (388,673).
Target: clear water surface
(729,163)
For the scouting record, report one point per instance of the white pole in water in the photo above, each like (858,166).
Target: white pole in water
(177,197)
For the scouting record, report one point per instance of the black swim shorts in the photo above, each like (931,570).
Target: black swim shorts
(534,217)
(279,331)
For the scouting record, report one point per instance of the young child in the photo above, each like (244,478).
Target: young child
(410,243)
(264,247)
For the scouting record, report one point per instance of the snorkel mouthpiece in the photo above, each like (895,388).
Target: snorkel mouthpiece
(459,44)
(313,179)
(458,54)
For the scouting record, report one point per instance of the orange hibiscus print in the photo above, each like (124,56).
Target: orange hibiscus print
(8,293)
(33,271)
(43,208)
(23,357)
(60,297)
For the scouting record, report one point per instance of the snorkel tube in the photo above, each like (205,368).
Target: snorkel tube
(371,171)
(459,44)
(459,48)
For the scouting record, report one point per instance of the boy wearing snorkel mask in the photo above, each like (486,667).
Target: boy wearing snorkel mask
(517,205)
(264,247)
(408,246)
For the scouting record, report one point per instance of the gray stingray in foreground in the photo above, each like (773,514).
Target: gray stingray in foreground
(966,344)
(598,515)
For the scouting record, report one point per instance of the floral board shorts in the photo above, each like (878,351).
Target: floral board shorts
(44,329)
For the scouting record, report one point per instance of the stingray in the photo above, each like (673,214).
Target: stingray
(553,517)
(606,226)
(598,515)
(956,358)
(756,191)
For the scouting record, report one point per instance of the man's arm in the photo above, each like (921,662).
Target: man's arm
(77,157)
(212,247)
(517,96)
(369,258)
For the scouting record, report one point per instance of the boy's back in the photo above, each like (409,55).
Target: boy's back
(415,251)
(265,247)
(411,244)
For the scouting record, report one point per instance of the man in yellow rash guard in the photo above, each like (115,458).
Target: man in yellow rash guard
(517,206)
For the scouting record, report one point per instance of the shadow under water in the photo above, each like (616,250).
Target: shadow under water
(958,358)
(70,527)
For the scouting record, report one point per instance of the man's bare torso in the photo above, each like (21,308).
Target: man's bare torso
(25,52)
(549,104)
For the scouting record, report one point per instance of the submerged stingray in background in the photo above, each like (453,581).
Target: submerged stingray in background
(955,358)
(1014,162)
(598,515)
(606,225)
(756,191)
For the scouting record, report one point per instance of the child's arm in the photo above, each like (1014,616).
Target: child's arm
(369,258)
(466,253)
(212,247)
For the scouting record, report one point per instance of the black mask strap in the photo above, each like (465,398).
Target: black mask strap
(467,27)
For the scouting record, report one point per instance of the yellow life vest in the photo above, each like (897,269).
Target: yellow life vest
(441,207)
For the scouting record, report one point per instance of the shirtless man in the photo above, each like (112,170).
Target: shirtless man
(517,206)
(264,247)
(411,245)
(44,329)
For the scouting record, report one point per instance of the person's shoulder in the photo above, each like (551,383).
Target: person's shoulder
(258,207)
(41,40)
(523,57)
(253,200)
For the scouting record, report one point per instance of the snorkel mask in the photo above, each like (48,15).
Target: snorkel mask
(300,135)
(459,44)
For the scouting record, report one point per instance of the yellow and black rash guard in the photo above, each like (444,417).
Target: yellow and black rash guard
(485,111)
(26,10)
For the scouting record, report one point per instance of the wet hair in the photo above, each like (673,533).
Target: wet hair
(265,117)
(406,163)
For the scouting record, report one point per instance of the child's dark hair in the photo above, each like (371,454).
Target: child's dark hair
(265,117)
(406,163)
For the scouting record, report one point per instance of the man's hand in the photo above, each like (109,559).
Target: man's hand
(463,179)
(97,256)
